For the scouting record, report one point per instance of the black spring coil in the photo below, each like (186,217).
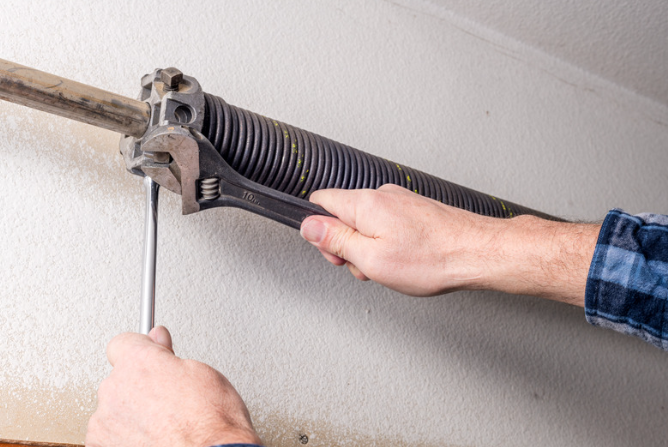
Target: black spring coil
(297,162)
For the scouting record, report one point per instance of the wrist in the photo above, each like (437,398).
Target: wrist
(534,256)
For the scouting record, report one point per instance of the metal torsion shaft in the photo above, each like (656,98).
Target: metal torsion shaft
(49,93)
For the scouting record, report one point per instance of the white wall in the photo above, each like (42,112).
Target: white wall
(311,350)
(623,41)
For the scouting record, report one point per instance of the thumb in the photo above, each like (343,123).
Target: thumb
(332,236)
(161,336)
(124,345)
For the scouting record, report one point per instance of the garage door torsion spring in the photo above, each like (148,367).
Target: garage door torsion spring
(297,162)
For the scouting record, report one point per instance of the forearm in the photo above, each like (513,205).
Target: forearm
(533,256)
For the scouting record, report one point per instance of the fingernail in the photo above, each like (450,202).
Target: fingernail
(165,338)
(313,231)
(162,338)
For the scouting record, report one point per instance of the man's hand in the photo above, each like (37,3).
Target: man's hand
(421,247)
(153,397)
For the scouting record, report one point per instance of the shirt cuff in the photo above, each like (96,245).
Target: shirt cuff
(627,286)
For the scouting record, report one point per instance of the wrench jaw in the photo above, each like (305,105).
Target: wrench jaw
(182,145)
(168,152)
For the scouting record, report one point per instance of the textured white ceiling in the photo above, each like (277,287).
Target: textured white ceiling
(623,41)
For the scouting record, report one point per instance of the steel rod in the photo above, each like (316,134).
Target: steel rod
(147,304)
(71,99)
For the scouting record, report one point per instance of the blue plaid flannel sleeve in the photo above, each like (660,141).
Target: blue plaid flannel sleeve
(627,286)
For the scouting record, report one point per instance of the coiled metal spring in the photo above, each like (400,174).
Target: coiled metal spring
(297,162)
(209,188)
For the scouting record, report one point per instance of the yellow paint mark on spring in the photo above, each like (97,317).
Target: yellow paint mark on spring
(415,191)
(275,123)
(303,192)
(408,177)
(301,179)
(503,205)
(399,167)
